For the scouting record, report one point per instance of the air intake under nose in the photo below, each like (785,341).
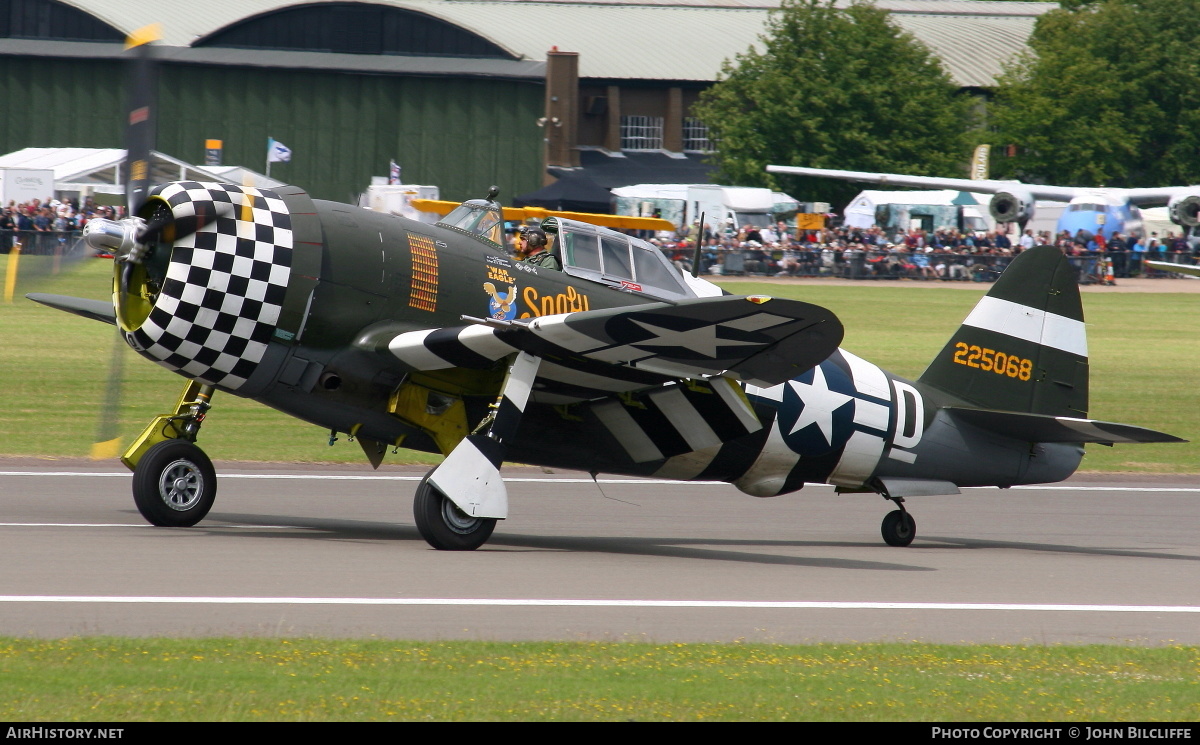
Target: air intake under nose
(230,263)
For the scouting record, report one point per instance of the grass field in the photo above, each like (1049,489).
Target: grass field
(1145,353)
(139,680)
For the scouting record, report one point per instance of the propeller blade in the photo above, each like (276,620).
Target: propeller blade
(130,237)
(140,127)
(107,444)
(34,268)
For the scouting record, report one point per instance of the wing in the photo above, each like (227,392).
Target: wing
(1142,197)
(623,222)
(759,340)
(982,186)
(669,358)
(97,310)
(1166,266)
(1156,196)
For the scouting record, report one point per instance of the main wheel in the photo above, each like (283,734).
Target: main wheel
(443,525)
(174,484)
(899,528)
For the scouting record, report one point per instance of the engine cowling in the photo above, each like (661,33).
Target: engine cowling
(1012,206)
(202,294)
(1185,210)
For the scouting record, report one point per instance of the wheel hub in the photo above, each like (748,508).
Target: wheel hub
(181,485)
(457,520)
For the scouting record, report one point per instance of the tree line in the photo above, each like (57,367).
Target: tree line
(1107,94)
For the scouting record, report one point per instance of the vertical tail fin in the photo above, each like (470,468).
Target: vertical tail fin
(1023,348)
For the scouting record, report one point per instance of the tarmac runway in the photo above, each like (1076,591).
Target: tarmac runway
(333,551)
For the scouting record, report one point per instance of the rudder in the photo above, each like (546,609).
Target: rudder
(1024,347)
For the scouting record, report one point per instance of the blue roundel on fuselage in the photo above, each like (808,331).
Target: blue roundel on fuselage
(816,415)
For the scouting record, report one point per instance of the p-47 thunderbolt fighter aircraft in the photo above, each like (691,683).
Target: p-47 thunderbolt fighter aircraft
(431,337)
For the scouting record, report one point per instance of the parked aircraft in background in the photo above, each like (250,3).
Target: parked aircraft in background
(1166,266)
(1092,210)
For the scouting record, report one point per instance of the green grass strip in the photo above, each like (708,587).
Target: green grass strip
(137,680)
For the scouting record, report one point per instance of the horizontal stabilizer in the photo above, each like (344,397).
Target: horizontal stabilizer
(97,310)
(1045,428)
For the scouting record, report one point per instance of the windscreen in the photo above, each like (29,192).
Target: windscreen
(479,218)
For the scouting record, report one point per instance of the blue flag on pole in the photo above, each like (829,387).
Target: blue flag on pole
(277,152)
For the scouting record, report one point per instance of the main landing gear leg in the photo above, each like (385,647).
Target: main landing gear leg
(899,528)
(174,483)
(457,504)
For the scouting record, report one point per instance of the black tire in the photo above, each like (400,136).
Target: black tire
(899,528)
(443,525)
(174,484)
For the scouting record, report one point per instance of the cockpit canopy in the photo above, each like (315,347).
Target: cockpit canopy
(608,257)
(483,218)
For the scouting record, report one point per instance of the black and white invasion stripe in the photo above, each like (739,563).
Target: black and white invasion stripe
(677,418)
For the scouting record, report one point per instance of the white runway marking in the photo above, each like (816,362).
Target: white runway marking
(585,603)
(141,525)
(350,477)
(564,480)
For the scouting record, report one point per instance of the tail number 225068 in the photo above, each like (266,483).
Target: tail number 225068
(989,360)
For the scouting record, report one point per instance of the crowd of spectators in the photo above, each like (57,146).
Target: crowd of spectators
(45,227)
(776,250)
(1128,254)
(943,254)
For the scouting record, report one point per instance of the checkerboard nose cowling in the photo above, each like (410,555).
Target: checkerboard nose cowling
(224,287)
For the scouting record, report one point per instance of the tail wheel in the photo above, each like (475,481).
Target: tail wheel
(899,528)
(174,484)
(443,525)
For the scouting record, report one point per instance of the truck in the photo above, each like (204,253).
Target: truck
(21,185)
(397,199)
(929,210)
(731,208)
(725,208)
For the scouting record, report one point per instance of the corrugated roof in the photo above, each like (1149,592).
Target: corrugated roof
(960,42)
(68,163)
(390,64)
(666,40)
(638,168)
(99,166)
(946,7)
(623,42)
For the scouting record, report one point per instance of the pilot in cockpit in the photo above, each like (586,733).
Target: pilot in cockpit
(532,248)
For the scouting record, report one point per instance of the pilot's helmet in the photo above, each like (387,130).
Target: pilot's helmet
(533,236)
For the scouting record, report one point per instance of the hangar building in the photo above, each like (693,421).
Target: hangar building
(460,93)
